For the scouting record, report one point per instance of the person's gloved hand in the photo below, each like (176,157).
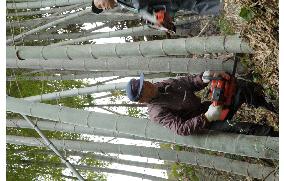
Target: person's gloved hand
(210,73)
(213,113)
(105,4)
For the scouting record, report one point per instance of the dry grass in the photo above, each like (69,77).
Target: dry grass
(261,32)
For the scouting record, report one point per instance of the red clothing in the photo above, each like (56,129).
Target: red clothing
(177,107)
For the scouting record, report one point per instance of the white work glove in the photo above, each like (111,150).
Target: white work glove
(105,4)
(211,73)
(213,113)
(206,73)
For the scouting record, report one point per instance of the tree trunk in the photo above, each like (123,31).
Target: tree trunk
(246,145)
(192,158)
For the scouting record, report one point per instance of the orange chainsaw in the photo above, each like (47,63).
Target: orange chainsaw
(155,16)
(164,21)
(223,91)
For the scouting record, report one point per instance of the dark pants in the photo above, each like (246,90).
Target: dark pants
(201,7)
(243,128)
(251,94)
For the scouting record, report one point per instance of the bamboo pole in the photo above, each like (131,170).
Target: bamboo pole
(43,4)
(109,159)
(55,77)
(66,18)
(92,75)
(52,30)
(97,169)
(102,97)
(106,81)
(54,149)
(136,31)
(112,112)
(77,92)
(31,13)
(128,65)
(112,159)
(55,16)
(246,145)
(48,36)
(56,36)
(116,105)
(87,18)
(57,126)
(21,0)
(80,91)
(166,47)
(192,158)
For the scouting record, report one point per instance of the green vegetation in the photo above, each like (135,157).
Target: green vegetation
(225,26)
(16,155)
(247,13)
(182,172)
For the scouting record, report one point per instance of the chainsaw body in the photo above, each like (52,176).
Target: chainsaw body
(163,18)
(159,18)
(222,93)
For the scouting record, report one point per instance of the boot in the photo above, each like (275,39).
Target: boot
(253,94)
(270,107)
(264,101)
(243,128)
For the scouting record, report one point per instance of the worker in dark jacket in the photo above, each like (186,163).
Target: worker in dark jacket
(173,104)
(201,7)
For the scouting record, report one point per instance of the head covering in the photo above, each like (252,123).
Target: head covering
(95,9)
(134,88)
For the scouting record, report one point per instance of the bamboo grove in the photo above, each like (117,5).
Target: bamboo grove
(50,55)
